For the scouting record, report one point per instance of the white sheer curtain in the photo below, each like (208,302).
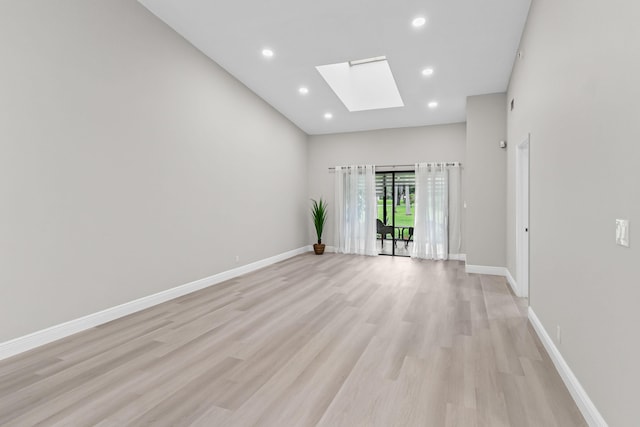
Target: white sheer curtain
(455,209)
(355,210)
(431,230)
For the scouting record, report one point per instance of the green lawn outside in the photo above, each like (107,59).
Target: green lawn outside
(402,219)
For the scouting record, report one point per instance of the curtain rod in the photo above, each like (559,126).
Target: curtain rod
(412,165)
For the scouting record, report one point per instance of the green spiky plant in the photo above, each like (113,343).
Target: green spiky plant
(319,215)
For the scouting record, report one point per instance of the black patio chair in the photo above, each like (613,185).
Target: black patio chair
(384,230)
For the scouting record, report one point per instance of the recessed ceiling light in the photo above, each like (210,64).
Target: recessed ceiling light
(418,22)
(267,53)
(328,116)
(433,104)
(427,71)
(303,90)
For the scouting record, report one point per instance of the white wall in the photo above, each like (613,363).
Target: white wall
(129,163)
(380,147)
(576,90)
(486,180)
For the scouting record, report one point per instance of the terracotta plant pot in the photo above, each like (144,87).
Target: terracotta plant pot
(318,248)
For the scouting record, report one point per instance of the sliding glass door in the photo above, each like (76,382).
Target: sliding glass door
(395,194)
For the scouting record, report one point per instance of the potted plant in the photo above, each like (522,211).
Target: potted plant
(319,215)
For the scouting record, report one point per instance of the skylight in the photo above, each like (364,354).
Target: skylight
(364,84)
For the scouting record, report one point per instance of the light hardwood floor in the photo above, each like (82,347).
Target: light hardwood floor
(330,340)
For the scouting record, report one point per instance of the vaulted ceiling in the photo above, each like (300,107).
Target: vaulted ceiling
(469,44)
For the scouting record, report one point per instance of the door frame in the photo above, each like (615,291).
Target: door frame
(523,231)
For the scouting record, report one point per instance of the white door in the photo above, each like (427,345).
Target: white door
(522,217)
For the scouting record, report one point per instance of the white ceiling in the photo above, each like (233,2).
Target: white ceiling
(471,44)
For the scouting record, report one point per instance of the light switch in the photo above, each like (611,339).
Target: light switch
(622,232)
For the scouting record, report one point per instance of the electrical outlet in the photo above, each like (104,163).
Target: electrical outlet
(237,258)
(558,334)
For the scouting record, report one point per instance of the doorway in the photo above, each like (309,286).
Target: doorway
(522,217)
(395,197)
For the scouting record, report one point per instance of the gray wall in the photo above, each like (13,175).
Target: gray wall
(130,163)
(381,147)
(486,180)
(576,90)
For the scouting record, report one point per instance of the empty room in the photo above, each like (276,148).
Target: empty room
(339,213)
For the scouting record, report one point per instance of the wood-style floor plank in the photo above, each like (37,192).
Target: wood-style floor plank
(330,340)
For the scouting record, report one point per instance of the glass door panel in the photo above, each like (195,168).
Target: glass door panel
(384,223)
(403,218)
(395,193)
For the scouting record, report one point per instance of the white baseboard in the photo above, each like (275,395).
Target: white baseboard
(513,283)
(584,403)
(45,336)
(496,271)
(485,269)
